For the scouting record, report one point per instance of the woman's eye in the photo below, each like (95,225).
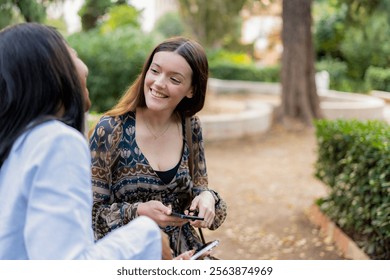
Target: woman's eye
(175,81)
(153,70)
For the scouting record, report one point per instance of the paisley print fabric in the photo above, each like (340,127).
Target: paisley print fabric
(122,178)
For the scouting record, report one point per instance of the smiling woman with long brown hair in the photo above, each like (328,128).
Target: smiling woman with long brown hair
(140,152)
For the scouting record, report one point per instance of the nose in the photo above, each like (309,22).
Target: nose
(160,81)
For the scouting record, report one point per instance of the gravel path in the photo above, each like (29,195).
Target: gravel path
(268,184)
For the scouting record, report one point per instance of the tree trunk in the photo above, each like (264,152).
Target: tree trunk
(88,22)
(300,102)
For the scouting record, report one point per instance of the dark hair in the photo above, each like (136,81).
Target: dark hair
(37,79)
(195,56)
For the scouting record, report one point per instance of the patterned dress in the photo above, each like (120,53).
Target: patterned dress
(122,178)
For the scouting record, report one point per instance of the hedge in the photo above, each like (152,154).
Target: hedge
(354,161)
(232,71)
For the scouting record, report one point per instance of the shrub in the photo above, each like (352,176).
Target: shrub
(120,16)
(378,78)
(114,60)
(353,160)
(367,46)
(231,71)
(229,65)
(329,29)
(169,25)
(224,56)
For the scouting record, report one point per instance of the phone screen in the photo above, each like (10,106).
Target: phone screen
(207,247)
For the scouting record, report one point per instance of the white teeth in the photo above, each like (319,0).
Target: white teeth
(157,94)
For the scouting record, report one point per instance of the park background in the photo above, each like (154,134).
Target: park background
(271,178)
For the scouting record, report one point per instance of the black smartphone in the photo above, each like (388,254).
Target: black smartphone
(207,247)
(187,217)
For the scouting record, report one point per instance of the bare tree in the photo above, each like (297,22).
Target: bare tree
(300,102)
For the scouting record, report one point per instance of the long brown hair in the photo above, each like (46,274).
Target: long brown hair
(195,56)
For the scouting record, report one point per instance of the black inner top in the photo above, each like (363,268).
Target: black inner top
(167,176)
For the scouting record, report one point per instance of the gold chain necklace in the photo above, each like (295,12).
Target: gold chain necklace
(151,132)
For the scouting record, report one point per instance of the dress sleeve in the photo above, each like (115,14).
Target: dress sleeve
(200,179)
(107,214)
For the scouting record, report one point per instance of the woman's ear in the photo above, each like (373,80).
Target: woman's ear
(190,94)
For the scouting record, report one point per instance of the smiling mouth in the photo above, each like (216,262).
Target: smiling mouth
(157,94)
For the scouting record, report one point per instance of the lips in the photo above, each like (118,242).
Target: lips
(157,94)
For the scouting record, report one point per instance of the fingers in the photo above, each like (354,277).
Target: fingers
(206,223)
(194,203)
(160,213)
(174,221)
(186,255)
(169,210)
(208,214)
(206,205)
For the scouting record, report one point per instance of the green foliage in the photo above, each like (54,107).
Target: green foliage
(339,78)
(367,46)
(353,160)
(12,11)
(337,72)
(378,78)
(355,32)
(169,25)
(114,60)
(227,65)
(58,23)
(329,31)
(93,10)
(31,10)
(213,23)
(7,14)
(119,16)
(225,56)
(232,71)
(360,11)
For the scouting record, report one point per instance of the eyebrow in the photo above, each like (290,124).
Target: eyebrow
(172,72)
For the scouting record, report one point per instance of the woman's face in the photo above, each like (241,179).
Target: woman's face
(167,81)
(82,71)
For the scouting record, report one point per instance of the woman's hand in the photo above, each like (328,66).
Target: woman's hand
(159,213)
(185,256)
(205,203)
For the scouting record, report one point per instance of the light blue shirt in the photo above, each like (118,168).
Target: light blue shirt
(46,203)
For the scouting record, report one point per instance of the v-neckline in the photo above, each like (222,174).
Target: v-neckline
(146,159)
